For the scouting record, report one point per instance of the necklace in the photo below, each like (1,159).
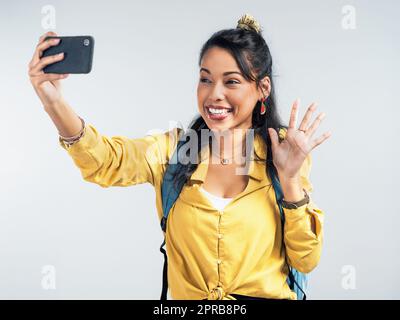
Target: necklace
(223,160)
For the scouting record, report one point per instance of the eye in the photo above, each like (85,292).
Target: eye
(204,80)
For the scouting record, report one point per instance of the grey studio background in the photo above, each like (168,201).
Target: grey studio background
(96,243)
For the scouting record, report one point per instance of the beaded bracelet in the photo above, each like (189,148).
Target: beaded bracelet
(69,141)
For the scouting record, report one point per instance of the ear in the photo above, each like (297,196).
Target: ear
(264,88)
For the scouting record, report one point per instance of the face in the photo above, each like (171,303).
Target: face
(222,86)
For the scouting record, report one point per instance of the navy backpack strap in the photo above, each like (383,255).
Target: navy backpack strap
(169,193)
(169,190)
(165,273)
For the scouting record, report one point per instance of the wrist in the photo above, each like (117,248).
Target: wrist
(291,188)
(296,204)
(288,179)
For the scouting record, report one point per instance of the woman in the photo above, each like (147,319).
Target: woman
(224,237)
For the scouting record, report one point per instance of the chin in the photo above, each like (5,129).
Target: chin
(219,126)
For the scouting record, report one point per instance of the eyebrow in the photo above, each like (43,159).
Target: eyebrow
(225,73)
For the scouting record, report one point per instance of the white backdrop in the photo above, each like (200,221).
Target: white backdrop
(64,238)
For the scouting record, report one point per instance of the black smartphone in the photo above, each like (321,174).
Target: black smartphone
(78,55)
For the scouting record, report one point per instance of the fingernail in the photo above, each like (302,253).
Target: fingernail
(56,40)
(61,54)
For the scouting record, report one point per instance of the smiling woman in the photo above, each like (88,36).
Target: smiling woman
(253,246)
(235,92)
(220,91)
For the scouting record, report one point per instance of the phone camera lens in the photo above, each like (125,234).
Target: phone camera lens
(86,42)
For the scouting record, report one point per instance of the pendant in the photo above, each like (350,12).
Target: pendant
(224,161)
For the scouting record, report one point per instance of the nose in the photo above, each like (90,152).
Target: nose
(217,92)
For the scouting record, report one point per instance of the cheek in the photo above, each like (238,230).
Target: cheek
(200,93)
(242,102)
(201,98)
(203,90)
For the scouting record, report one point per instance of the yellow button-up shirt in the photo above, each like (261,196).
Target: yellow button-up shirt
(212,253)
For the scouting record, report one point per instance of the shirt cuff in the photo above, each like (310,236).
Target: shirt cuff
(306,213)
(89,140)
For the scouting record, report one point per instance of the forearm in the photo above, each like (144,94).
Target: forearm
(303,236)
(65,119)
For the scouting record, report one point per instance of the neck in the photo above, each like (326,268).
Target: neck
(229,144)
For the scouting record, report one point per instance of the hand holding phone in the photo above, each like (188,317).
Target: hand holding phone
(48,85)
(78,54)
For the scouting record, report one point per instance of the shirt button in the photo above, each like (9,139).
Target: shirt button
(219,261)
(221,213)
(219,235)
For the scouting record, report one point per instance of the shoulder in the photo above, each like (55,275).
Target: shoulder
(164,144)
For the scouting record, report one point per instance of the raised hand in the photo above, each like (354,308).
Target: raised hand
(46,85)
(289,155)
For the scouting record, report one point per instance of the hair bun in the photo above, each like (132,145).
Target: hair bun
(248,22)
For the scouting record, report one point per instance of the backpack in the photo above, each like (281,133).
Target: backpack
(296,280)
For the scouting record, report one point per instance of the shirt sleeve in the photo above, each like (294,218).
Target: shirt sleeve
(122,161)
(303,245)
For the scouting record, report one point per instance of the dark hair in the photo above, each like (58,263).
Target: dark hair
(253,57)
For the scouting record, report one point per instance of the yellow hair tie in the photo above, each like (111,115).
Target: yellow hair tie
(248,22)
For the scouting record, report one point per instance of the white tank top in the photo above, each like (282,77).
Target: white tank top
(218,202)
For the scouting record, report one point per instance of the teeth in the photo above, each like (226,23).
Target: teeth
(218,111)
